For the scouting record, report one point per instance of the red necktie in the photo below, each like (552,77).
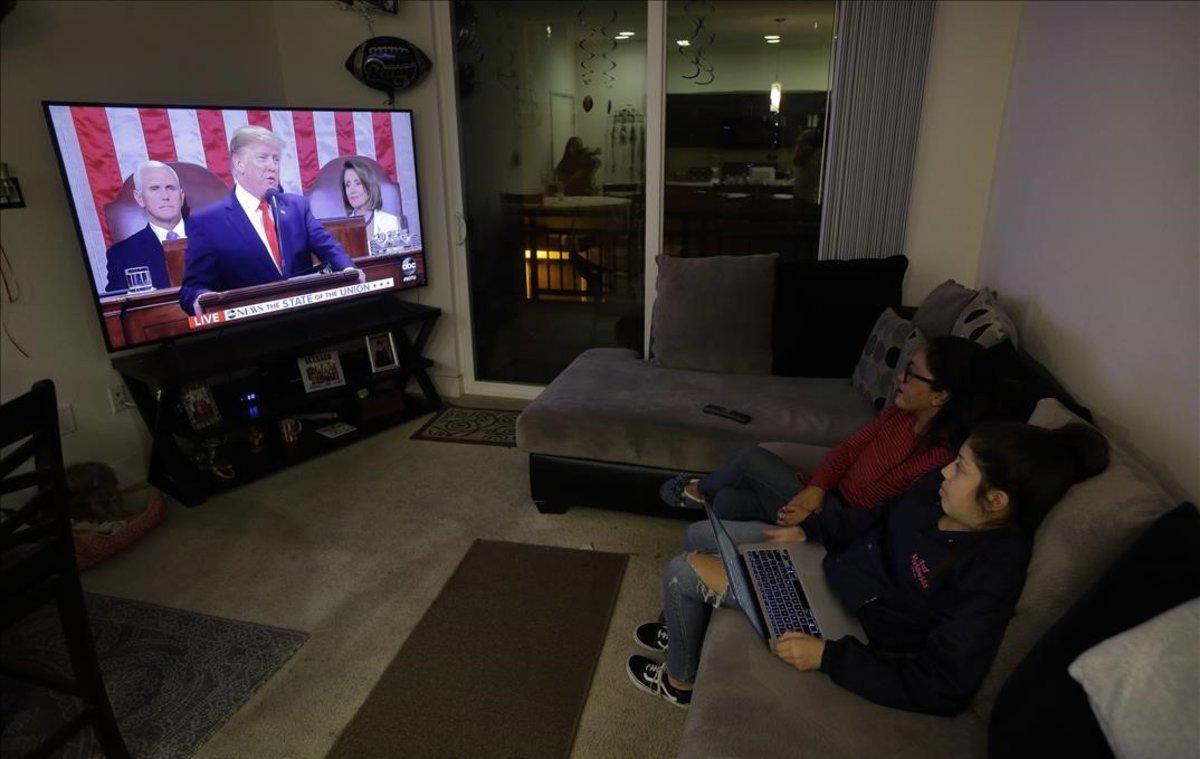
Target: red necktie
(272,238)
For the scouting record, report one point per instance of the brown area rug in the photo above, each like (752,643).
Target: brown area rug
(501,663)
(457,424)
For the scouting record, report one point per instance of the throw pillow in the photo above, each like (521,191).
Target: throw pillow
(940,310)
(983,321)
(1041,711)
(876,369)
(1083,535)
(1144,685)
(824,311)
(916,341)
(714,314)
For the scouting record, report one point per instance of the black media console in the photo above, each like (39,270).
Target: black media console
(253,376)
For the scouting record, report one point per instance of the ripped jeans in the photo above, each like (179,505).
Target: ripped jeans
(687,603)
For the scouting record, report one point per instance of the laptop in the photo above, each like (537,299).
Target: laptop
(782,587)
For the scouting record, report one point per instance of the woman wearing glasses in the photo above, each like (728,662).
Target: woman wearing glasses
(941,396)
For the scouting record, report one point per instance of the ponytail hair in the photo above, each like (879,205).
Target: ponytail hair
(1035,466)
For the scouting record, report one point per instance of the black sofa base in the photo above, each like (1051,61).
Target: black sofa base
(557,483)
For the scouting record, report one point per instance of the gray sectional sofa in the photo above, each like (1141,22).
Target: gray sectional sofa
(613,426)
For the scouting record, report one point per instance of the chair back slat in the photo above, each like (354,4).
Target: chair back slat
(32,419)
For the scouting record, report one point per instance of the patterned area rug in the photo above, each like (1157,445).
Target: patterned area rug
(455,424)
(173,676)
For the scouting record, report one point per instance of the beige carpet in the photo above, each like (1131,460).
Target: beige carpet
(353,548)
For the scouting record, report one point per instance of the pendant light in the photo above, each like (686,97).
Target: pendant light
(777,86)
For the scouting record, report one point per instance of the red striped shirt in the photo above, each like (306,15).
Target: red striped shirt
(882,459)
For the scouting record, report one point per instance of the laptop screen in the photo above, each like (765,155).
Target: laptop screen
(739,581)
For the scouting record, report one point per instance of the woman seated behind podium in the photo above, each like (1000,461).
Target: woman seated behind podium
(362,197)
(933,574)
(943,392)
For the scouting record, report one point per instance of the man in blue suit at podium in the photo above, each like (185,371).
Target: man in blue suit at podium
(257,234)
(137,262)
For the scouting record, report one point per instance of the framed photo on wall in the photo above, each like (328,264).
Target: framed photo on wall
(381,349)
(321,371)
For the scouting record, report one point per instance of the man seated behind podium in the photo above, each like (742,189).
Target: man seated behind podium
(239,243)
(157,190)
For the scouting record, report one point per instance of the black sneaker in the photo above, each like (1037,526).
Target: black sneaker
(648,675)
(672,493)
(651,636)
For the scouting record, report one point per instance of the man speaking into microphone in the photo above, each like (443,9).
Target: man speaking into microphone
(257,234)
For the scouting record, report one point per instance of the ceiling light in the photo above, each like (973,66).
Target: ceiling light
(774,42)
(627,34)
(770,36)
(682,43)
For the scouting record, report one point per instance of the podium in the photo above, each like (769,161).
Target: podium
(135,318)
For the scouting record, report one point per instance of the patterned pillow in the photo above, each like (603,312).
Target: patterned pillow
(983,321)
(915,342)
(881,355)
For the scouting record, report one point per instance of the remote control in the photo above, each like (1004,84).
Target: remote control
(737,416)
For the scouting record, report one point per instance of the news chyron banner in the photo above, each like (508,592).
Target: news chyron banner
(289,303)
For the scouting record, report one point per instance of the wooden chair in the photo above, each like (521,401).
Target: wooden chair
(37,561)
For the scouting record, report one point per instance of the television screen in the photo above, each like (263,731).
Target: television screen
(194,218)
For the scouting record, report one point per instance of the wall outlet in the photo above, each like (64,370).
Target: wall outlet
(66,420)
(118,399)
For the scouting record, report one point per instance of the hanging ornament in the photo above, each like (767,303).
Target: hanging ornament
(388,64)
(597,44)
(698,42)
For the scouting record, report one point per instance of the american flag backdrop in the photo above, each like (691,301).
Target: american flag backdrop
(101,146)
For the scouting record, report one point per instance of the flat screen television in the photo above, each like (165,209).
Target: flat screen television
(192,218)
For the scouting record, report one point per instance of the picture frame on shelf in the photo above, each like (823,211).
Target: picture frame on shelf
(200,406)
(381,350)
(321,371)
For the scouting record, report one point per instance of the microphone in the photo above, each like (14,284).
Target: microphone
(272,195)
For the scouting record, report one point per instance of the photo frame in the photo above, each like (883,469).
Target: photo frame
(381,350)
(200,406)
(321,371)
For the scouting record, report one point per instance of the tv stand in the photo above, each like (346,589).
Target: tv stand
(259,360)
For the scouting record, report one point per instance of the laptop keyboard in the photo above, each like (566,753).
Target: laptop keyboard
(783,600)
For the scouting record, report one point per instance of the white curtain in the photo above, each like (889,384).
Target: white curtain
(880,56)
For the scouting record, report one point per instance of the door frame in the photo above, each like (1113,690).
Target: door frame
(456,231)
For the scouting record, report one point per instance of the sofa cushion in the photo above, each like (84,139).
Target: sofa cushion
(1041,711)
(1144,685)
(985,322)
(875,373)
(747,702)
(939,311)
(1082,536)
(714,314)
(824,311)
(609,405)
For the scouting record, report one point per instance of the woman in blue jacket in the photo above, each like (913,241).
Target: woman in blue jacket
(933,574)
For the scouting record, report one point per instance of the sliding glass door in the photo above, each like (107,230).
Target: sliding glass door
(747,95)
(551,104)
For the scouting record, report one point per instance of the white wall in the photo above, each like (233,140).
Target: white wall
(966,84)
(1092,235)
(206,53)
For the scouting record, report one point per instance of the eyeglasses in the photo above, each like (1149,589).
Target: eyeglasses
(909,373)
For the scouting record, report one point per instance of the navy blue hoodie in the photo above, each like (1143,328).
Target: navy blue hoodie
(934,604)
